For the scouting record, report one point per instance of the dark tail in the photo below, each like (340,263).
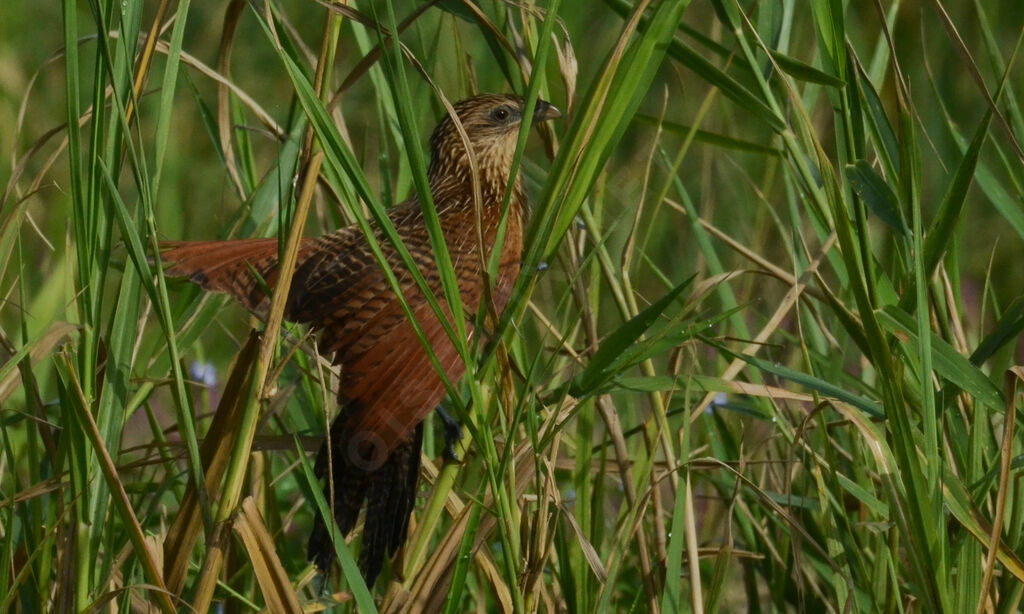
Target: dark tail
(389,492)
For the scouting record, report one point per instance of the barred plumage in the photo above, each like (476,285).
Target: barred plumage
(388,383)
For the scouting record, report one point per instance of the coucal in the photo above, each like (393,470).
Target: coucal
(388,384)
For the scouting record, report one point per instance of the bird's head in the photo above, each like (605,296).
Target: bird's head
(491,123)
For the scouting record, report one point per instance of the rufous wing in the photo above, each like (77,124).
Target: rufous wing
(242,268)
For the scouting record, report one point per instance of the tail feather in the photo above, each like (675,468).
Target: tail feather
(391,497)
(388,492)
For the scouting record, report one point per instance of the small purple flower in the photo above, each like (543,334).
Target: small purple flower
(203,373)
(719,400)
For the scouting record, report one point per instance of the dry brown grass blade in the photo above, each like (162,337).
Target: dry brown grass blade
(266,566)
(789,302)
(145,61)
(736,245)
(1013,377)
(61,530)
(540,518)
(215,452)
(241,445)
(117,492)
(589,552)
(35,491)
(568,68)
(610,417)
(398,597)
(104,602)
(430,589)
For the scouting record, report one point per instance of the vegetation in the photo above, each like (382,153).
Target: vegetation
(761,356)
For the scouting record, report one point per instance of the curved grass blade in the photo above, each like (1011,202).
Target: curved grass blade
(868,406)
(947,362)
(805,72)
(877,195)
(611,355)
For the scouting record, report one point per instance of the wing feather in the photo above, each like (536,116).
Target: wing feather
(237,267)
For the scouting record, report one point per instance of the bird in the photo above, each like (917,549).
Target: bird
(388,383)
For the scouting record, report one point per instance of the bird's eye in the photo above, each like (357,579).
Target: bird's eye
(500,114)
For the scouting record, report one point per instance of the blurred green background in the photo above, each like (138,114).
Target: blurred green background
(806,516)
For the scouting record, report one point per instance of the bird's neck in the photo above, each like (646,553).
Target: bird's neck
(455,183)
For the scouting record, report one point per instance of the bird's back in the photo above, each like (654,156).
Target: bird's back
(340,289)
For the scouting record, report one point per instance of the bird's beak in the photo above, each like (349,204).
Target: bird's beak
(545,111)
